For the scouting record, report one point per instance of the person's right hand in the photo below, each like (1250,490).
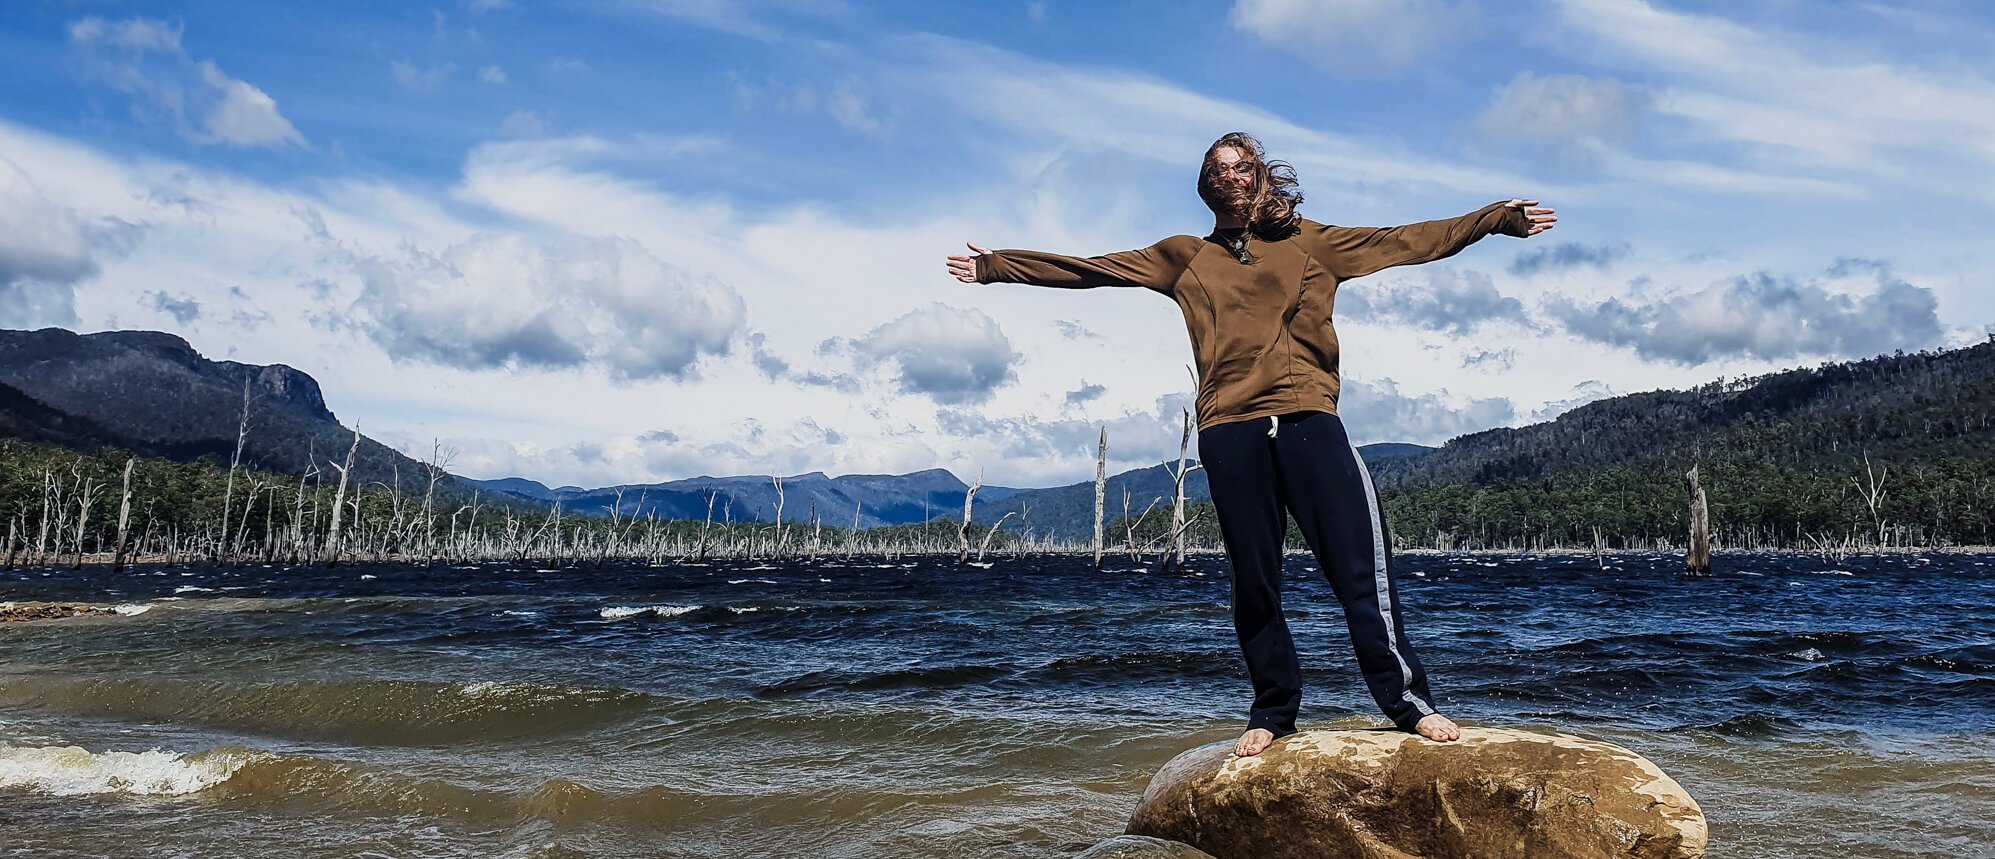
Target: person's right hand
(965,268)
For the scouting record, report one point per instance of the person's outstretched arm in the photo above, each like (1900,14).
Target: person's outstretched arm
(1155,267)
(1358,251)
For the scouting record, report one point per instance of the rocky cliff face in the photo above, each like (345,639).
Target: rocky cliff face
(152,393)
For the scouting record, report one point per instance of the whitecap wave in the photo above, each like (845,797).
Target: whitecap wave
(189,589)
(622,611)
(131,609)
(75,771)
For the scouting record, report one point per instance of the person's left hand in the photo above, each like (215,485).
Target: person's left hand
(1542,218)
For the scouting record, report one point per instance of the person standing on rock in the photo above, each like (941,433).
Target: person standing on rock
(1257,294)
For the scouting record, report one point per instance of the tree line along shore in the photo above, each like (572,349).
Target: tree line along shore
(65,507)
(128,444)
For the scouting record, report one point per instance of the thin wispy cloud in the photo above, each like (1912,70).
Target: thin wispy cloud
(146,60)
(1798,103)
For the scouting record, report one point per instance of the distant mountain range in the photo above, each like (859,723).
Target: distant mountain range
(151,393)
(873,499)
(1065,512)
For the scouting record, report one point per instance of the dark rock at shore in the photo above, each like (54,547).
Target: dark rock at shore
(1142,847)
(49,610)
(1495,794)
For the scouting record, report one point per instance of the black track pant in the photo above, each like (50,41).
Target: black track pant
(1304,464)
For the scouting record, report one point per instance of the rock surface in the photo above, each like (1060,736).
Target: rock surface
(1495,794)
(1142,847)
(48,610)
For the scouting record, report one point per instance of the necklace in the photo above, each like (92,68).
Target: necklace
(1238,244)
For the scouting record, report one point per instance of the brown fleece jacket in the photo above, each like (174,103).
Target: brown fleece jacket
(1260,331)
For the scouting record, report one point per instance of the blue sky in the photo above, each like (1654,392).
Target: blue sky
(631,241)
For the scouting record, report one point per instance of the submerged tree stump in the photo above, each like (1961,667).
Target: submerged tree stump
(1698,562)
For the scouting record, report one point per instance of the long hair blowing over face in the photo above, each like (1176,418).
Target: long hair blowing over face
(1268,207)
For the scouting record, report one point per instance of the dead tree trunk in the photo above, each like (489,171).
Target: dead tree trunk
(1177,549)
(242,438)
(83,500)
(1100,491)
(963,532)
(700,554)
(816,533)
(124,519)
(1873,495)
(992,533)
(1699,560)
(1129,541)
(616,514)
(777,553)
(339,498)
(853,538)
(437,462)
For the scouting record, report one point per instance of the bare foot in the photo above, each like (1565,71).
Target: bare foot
(1433,726)
(1255,742)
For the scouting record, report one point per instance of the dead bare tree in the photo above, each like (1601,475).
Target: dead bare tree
(339,499)
(701,554)
(1129,526)
(50,493)
(88,488)
(778,553)
(849,543)
(1176,557)
(989,534)
(616,512)
(1100,491)
(1873,494)
(242,439)
(124,520)
(963,532)
(438,461)
(242,526)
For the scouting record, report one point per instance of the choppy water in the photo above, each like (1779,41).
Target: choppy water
(924,709)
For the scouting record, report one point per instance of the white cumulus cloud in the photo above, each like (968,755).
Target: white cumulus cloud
(949,354)
(496,301)
(1764,317)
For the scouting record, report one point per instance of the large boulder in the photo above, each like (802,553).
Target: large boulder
(1142,847)
(1495,793)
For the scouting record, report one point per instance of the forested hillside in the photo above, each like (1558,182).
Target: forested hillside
(1891,450)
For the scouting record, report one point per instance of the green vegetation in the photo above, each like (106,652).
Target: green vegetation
(1892,451)
(60,506)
